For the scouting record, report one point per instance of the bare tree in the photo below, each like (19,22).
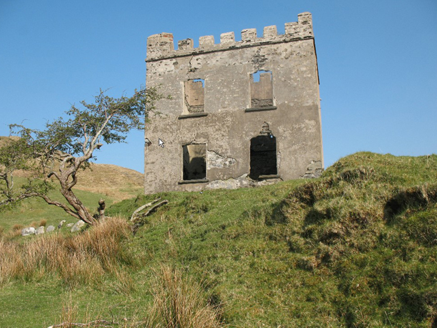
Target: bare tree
(65,146)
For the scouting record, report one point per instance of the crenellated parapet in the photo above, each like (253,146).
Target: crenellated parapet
(161,46)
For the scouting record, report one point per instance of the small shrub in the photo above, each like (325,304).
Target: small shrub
(43,223)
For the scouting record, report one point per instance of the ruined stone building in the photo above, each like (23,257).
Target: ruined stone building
(241,112)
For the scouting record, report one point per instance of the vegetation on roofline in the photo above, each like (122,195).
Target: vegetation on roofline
(354,248)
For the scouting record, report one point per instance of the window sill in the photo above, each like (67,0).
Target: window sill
(192,115)
(260,109)
(193,181)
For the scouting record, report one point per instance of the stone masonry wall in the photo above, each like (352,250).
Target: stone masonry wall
(229,118)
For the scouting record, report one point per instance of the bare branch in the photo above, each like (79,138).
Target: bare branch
(134,214)
(56,203)
(139,221)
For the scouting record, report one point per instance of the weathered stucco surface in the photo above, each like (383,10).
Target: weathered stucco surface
(214,102)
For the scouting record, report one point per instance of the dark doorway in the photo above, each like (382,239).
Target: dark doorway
(262,156)
(194,162)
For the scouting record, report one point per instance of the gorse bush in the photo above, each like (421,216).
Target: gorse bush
(82,258)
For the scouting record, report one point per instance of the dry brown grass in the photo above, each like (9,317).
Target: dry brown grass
(17,227)
(114,181)
(179,302)
(15,231)
(69,314)
(82,258)
(6,140)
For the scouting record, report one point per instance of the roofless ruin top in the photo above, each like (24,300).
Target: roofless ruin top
(241,113)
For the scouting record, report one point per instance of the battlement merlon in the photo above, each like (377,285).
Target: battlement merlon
(161,46)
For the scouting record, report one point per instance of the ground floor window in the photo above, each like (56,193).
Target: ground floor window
(194,161)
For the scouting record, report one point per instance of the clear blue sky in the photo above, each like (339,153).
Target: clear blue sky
(377,62)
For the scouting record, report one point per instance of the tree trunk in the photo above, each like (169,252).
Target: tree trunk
(81,210)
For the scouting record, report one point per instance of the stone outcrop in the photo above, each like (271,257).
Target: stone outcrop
(28,231)
(78,226)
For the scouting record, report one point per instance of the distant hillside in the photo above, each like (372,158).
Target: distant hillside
(3,140)
(114,181)
(110,182)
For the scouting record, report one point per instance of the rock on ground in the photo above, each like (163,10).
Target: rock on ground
(28,231)
(78,226)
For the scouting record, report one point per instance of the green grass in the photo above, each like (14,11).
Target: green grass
(35,209)
(354,248)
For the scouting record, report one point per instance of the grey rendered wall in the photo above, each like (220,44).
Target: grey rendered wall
(227,128)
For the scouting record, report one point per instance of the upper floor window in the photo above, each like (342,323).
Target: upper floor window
(261,89)
(194,96)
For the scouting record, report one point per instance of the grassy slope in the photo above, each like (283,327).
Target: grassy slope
(355,248)
(35,210)
(115,182)
(110,182)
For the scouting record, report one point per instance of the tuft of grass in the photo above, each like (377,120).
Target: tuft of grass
(17,227)
(178,301)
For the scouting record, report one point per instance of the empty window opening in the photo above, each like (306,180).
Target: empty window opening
(261,89)
(194,96)
(262,156)
(194,161)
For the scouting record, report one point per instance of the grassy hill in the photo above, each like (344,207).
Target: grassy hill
(354,248)
(110,182)
(116,182)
